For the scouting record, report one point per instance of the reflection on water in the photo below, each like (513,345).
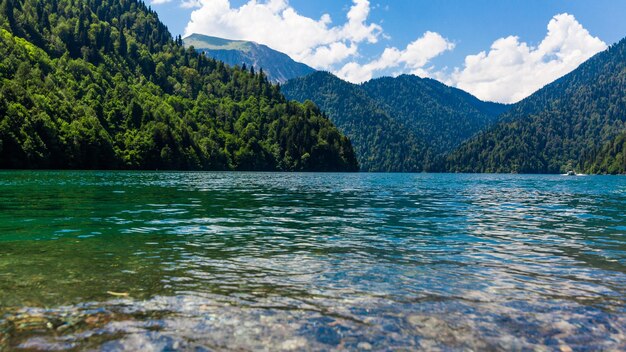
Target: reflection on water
(206,261)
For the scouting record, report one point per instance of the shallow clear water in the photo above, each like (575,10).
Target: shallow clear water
(262,261)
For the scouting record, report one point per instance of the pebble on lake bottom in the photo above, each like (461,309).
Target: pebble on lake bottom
(294,344)
(364,346)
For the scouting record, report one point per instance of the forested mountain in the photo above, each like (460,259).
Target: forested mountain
(381,142)
(102,84)
(609,159)
(571,123)
(278,67)
(440,115)
(397,124)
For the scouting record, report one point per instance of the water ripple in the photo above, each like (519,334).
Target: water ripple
(204,261)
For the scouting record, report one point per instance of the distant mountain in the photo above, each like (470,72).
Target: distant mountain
(278,67)
(397,124)
(571,123)
(101,84)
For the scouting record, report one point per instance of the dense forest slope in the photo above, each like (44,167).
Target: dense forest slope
(441,115)
(397,124)
(102,84)
(571,123)
(608,159)
(278,67)
(382,143)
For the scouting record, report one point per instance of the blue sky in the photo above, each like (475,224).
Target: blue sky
(456,29)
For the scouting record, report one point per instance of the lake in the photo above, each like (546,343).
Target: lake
(273,261)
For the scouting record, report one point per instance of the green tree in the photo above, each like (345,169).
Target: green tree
(101,84)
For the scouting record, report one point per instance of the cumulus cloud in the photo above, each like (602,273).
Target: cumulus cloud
(188,4)
(512,70)
(275,23)
(413,59)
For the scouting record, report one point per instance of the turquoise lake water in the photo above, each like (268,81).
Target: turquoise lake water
(269,261)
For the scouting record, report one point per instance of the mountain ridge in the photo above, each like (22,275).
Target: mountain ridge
(409,120)
(558,128)
(278,67)
(440,114)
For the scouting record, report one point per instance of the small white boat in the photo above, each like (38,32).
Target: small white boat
(573,173)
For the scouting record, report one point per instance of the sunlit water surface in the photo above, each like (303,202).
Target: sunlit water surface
(253,261)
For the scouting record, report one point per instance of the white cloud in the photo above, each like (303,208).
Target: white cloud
(317,43)
(513,70)
(278,25)
(189,4)
(414,59)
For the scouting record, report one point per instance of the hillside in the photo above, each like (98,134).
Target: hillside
(397,124)
(101,84)
(381,143)
(441,115)
(608,159)
(564,125)
(278,67)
